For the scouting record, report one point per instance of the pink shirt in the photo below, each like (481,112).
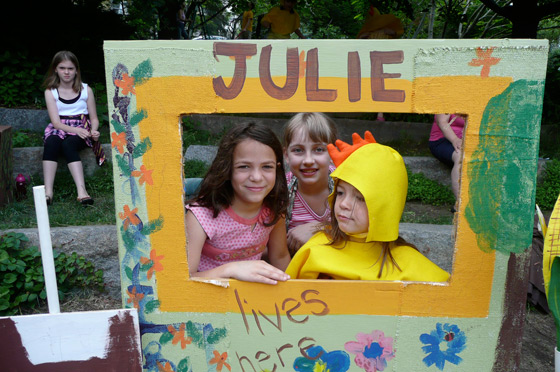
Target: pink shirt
(230,236)
(302,212)
(458,125)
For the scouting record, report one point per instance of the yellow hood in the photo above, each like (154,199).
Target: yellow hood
(379,173)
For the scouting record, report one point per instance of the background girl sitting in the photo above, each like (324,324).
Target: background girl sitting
(306,136)
(362,242)
(239,210)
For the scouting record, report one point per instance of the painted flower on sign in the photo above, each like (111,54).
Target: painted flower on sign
(321,361)
(443,344)
(220,361)
(126,84)
(373,350)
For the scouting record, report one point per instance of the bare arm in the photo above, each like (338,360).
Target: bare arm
(444,123)
(92,112)
(278,253)
(249,271)
(299,235)
(55,117)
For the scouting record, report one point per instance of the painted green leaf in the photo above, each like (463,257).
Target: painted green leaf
(141,148)
(197,336)
(117,126)
(502,170)
(128,272)
(153,226)
(554,296)
(184,365)
(143,72)
(151,306)
(217,335)
(137,117)
(165,338)
(123,165)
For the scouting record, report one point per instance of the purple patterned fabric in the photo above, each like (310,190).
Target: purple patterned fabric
(72,121)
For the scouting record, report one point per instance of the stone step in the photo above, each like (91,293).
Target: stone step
(99,244)
(29,161)
(429,166)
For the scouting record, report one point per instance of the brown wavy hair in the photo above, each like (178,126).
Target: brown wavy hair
(216,191)
(52,81)
(338,239)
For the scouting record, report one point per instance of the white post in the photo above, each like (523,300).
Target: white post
(556,360)
(46,249)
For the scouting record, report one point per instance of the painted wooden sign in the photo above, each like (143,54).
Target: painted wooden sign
(83,341)
(462,325)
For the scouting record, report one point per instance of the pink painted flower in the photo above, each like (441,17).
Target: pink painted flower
(373,350)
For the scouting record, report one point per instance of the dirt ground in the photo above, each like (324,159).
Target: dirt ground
(539,340)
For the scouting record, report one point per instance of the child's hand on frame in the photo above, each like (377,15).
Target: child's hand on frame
(256,271)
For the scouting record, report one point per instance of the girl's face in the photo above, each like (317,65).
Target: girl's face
(254,172)
(66,71)
(350,209)
(308,160)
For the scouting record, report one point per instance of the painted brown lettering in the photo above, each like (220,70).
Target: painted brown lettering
(244,358)
(303,350)
(278,323)
(240,305)
(289,312)
(312,80)
(354,77)
(325,307)
(240,52)
(378,91)
(279,351)
(292,74)
(261,356)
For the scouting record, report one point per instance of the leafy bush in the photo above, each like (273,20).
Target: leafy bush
(22,283)
(428,191)
(195,169)
(549,186)
(25,138)
(21,80)
(551,109)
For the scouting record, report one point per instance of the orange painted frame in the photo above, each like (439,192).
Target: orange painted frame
(466,295)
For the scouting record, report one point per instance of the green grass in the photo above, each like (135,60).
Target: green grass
(66,211)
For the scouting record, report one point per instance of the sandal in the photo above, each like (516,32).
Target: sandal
(87,200)
(49,200)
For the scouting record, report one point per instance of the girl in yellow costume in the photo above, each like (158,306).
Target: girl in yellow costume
(362,241)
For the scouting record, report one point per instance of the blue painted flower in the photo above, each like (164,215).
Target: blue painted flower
(335,361)
(453,339)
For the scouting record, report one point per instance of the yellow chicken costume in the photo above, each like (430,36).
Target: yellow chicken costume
(379,173)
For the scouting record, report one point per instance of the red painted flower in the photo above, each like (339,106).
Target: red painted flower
(118,141)
(129,216)
(220,360)
(157,266)
(166,367)
(144,174)
(126,84)
(485,60)
(179,335)
(134,298)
